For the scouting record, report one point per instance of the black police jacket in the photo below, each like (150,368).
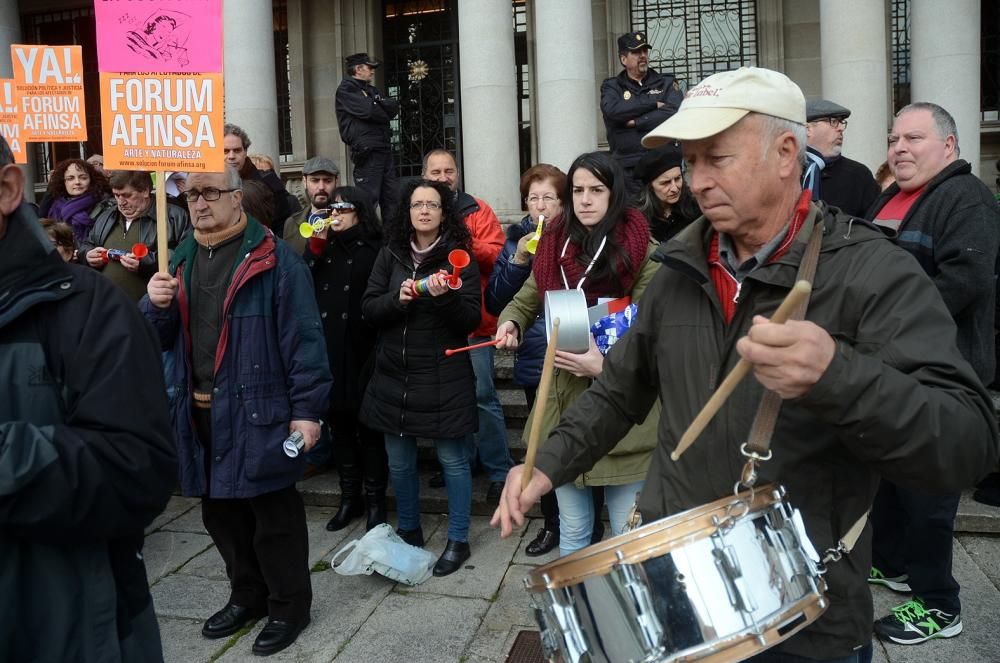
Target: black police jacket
(623,99)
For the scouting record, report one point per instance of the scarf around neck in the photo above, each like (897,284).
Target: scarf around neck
(631,233)
(76,212)
(213,240)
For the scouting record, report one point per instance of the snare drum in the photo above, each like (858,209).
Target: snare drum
(720,582)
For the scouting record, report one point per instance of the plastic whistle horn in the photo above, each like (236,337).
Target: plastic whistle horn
(451,351)
(317,223)
(459,260)
(139,250)
(795,296)
(532,244)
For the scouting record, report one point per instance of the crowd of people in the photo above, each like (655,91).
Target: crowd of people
(327,324)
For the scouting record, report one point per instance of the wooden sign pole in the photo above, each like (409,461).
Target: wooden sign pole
(162,252)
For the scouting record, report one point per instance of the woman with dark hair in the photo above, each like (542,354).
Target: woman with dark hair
(75,189)
(416,390)
(543,190)
(602,247)
(341,258)
(664,198)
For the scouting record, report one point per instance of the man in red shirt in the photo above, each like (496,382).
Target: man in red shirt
(947,219)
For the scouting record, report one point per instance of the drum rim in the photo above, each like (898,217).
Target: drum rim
(677,530)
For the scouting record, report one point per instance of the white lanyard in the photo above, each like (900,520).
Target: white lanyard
(597,255)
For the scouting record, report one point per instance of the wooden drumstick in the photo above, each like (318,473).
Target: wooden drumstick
(795,296)
(541,398)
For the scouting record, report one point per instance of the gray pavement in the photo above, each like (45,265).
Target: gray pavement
(471,616)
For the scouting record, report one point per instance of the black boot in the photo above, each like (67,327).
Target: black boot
(451,559)
(415,537)
(376,509)
(351,506)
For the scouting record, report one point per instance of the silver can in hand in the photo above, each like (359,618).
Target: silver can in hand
(293,444)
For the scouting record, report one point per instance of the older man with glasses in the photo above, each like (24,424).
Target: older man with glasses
(833,178)
(237,305)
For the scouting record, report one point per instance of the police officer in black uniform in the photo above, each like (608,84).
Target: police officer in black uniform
(363,116)
(635,102)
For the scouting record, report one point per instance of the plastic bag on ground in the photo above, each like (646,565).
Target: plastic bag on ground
(382,551)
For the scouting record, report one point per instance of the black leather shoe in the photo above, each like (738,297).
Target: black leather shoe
(415,537)
(454,554)
(598,532)
(229,620)
(277,634)
(546,540)
(436,480)
(494,492)
(376,510)
(351,507)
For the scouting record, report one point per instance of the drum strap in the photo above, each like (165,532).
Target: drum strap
(759,443)
(846,543)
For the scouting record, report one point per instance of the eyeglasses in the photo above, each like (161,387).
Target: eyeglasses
(546,199)
(835,122)
(334,208)
(426,204)
(209,193)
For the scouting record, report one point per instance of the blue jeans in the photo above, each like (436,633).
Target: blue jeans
(492,436)
(451,453)
(576,513)
(863,655)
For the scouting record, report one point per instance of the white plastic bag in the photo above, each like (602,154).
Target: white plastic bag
(383,552)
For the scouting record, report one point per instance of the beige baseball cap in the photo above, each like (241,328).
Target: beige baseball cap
(723,99)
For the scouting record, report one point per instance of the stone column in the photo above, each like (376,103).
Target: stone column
(944,65)
(855,73)
(566,117)
(489,104)
(10,33)
(251,102)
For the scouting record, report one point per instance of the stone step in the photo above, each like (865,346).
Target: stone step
(324,490)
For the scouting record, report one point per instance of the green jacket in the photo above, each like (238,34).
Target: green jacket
(897,400)
(628,461)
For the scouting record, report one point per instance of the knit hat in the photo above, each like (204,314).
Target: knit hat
(655,162)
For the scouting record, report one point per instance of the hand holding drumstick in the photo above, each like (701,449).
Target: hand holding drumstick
(786,357)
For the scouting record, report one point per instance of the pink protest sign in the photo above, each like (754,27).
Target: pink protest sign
(164,36)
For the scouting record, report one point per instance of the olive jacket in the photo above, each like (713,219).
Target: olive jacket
(628,461)
(897,400)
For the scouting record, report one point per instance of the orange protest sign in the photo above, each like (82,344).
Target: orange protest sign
(49,85)
(162,121)
(10,120)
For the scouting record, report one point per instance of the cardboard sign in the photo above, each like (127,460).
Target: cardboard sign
(10,120)
(49,86)
(175,36)
(162,122)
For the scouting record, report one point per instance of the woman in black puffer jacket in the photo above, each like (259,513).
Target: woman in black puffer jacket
(416,390)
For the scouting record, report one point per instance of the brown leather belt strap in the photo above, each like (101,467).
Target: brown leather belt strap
(759,441)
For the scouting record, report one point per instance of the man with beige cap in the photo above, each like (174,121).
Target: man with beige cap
(867,385)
